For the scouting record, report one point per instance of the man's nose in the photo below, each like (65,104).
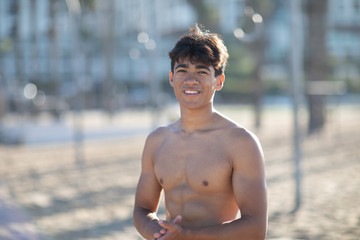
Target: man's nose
(191,79)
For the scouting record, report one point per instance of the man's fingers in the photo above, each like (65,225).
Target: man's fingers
(167,225)
(178,219)
(160,233)
(157,235)
(163,223)
(171,225)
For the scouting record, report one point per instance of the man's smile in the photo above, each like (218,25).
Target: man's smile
(191,92)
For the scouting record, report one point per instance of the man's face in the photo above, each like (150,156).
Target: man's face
(194,83)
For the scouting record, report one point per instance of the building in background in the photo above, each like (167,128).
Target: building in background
(344,39)
(114,53)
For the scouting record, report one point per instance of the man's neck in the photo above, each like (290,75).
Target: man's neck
(198,119)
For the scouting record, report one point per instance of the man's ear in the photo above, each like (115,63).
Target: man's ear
(220,82)
(171,78)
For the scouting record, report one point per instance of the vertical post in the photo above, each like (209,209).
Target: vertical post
(54,54)
(74,13)
(256,41)
(296,76)
(108,85)
(153,81)
(34,55)
(2,78)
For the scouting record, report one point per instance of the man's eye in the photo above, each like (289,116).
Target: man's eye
(181,70)
(202,72)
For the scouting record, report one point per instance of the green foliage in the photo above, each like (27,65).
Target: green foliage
(89,4)
(208,15)
(276,87)
(353,86)
(6,45)
(239,70)
(50,87)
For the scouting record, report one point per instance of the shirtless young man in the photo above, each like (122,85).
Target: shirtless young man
(210,169)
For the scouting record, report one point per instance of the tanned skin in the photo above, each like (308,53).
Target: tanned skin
(210,169)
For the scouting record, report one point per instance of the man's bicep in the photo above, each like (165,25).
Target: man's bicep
(148,189)
(249,179)
(147,194)
(250,195)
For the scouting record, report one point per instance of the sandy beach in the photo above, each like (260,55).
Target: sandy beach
(68,191)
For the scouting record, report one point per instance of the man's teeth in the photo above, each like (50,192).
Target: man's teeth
(191,92)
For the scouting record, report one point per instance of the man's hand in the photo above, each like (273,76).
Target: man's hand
(170,230)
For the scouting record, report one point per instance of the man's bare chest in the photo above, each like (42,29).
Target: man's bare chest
(200,163)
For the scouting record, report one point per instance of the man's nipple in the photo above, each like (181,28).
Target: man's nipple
(205,183)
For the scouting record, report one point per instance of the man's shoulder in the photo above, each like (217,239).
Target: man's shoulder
(155,139)
(244,139)
(242,133)
(237,131)
(160,133)
(239,136)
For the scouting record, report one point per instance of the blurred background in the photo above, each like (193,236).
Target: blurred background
(82,82)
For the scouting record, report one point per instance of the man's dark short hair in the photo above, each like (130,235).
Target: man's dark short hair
(203,47)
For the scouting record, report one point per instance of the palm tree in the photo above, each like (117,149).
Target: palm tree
(257,48)
(15,37)
(53,48)
(108,84)
(315,59)
(33,39)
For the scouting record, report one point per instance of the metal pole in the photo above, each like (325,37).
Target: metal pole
(296,71)
(153,81)
(74,14)
(108,86)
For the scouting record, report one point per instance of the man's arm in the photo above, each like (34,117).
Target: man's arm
(249,189)
(148,192)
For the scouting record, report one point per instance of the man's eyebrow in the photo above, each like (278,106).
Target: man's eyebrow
(182,65)
(202,67)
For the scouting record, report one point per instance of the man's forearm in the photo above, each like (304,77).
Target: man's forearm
(239,229)
(146,223)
